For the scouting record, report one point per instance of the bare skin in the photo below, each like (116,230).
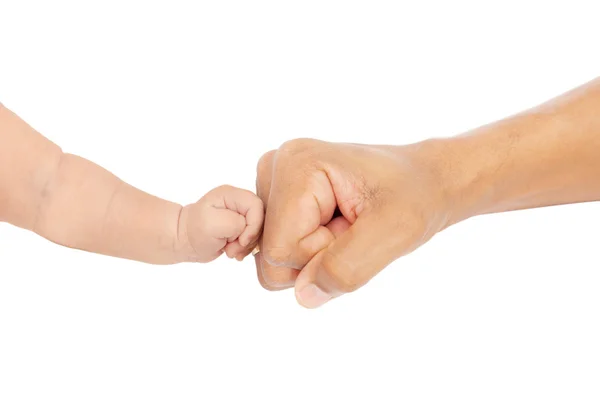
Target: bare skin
(393,199)
(78,204)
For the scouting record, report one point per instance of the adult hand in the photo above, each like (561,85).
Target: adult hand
(337,214)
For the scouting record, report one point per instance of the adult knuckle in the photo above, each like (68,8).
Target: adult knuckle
(277,255)
(276,278)
(267,280)
(296,146)
(267,285)
(271,279)
(265,163)
(346,278)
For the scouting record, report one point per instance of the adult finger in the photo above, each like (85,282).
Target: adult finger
(271,277)
(280,278)
(301,202)
(353,259)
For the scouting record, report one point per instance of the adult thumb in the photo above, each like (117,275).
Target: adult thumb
(351,260)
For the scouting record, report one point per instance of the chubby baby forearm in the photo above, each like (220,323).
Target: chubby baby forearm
(73,202)
(86,207)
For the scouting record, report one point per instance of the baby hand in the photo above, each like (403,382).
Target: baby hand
(227,219)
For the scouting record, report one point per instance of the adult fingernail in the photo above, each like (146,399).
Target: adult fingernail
(312,296)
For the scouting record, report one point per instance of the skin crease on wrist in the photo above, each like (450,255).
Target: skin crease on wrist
(393,199)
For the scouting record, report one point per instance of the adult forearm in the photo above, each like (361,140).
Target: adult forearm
(548,155)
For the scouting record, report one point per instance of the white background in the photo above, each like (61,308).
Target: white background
(179,97)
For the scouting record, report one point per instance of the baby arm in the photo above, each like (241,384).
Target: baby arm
(78,204)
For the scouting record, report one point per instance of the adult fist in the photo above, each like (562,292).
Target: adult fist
(337,214)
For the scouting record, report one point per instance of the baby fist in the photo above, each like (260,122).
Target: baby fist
(227,219)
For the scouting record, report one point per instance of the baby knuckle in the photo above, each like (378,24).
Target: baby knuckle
(258,203)
(215,193)
(240,222)
(224,188)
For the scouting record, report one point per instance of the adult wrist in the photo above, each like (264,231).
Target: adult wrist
(508,165)
(459,170)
